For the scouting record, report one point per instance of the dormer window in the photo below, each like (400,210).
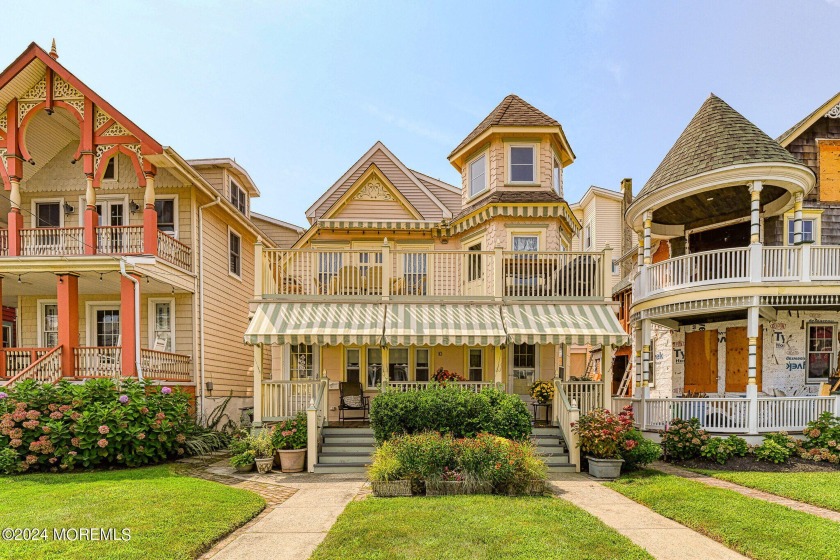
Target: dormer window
(478,175)
(237,197)
(522,164)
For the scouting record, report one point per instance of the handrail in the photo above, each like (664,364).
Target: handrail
(172,366)
(174,251)
(316,416)
(46,369)
(567,415)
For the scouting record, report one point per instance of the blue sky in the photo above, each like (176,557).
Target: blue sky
(297,91)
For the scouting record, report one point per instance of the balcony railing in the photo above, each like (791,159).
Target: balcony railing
(110,240)
(394,274)
(98,361)
(803,263)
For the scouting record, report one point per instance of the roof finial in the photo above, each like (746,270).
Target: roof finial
(53,51)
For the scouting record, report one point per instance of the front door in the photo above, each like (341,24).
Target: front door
(737,355)
(701,361)
(524,367)
(112,213)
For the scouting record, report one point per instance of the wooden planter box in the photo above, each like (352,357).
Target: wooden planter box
(534,488)
(391,489)
(445,487)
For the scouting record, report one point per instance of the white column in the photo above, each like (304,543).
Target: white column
(498,366)
(646,328)
(607,374)
(648,225)
(797,218)
(258,371)
(755,212)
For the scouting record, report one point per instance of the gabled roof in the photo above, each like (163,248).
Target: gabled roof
(512,111)
(793,132)
(229,163)
(512,197)
(276,222)
(718,136)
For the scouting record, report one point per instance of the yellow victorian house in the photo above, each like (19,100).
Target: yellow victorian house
(400,276)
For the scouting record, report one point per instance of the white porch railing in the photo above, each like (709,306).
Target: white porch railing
(564,274)
(18,359)
(98,361)
(119,240)
(284,399)
(165,365)
(52,241)
(717,415)
(589,395)
(404,386)
(173,251)
(566,413)
(46,369)
(825,262)
(709,267)
(781,263)
(792,414)
(316,418)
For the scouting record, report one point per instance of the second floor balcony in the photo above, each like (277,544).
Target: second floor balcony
(428,274)
(107,240)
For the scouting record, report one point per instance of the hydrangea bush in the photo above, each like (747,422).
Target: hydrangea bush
(822,439)
(290,433)
(683,439)
(60,427)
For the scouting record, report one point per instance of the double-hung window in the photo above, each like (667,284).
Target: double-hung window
(478,175)
(374,367)
(557,176)
(353,365)
(820,351)
(474,262)
(398,364)
(475,367)
(238,197)
(808,231)
(165,208)
(421,364)
(235,253)
(49,325)
(524,362)
(522,165)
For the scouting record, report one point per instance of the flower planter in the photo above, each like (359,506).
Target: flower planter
(244,468)
(534,488)
(391,489)
(446,487)
(607,469)
(291,460)
(264,464)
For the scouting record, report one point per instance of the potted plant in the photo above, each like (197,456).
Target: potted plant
(601,436)
(243,462)
(442,376)
(542,391)
(289,439)
(263,450)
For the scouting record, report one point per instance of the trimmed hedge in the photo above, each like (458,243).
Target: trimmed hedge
(449,410)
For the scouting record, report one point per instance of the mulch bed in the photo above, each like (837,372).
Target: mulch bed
(795,464)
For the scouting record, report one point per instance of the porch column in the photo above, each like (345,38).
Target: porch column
(752,341)
(128,322)
(646,357)
(640,257)
(258,374)
(149,217)
(385,366)
(637,344)
(15,218)
(498,366)
(91,217)
(648,224)
(67,293)
(797,218)
(607,373)
(755,212)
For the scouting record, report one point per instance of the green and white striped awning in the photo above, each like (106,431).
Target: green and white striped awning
(316,323)
(559,324)
(430,324)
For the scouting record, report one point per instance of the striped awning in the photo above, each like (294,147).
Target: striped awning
(559,324)
(430,324)
(316,323)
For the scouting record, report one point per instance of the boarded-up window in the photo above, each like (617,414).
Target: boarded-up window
(829,171)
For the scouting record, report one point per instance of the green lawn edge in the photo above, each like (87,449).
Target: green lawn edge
(758,529)
(171,516)
(472,527)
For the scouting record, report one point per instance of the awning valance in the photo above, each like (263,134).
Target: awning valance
(430,324)
(316,323)
(558,324)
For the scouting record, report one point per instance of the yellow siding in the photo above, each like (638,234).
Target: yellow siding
(282,237)
(373,210)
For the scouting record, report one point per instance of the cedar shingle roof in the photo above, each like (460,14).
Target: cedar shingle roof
(511,196)
(512,111)
(718,136)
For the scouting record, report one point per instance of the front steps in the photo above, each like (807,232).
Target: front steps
(350,450)
(345,450)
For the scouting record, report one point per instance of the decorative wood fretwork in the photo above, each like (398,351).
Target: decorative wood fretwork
(4,125)
(373,190)
(805,300)
(834,112)
(100,118)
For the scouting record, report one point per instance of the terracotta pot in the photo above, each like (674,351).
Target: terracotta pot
(608,469)
(291,460)
(244,468)
(264,464)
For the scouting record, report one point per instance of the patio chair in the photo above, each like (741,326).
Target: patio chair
(373,281)
(348,281)
(352,398)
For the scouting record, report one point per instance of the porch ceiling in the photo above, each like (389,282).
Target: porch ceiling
(727,203)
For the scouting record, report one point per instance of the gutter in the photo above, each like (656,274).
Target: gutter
(136,283)
(201,208)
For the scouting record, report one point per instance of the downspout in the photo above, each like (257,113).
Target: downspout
(136,318)
(201,298)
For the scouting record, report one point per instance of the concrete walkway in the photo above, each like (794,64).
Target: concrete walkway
(661,537)
(293,529)
(750,492)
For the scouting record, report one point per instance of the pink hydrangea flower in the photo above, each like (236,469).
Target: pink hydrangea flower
(104,429)
(141,435)
(75,442)
(102,442)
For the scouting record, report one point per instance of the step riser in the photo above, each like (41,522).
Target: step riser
(348,431)
(342,460)
(338,469)
(341,449)
(347,440)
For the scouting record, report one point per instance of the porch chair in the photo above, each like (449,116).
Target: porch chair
(347,282)
(373,281)
(352,398)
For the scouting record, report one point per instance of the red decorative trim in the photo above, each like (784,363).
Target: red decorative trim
(115,140)
(141,178)
(24,152)
(48,80)
(14,165)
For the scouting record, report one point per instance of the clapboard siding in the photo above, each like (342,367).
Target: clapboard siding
(373,210)
(282,237)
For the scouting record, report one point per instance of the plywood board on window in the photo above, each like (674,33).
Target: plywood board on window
(701,361)
(829,172)
(737,358)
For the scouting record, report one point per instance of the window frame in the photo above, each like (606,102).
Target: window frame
(470,193)
(428,363)
(368,363)
(91,307)
(831,351)
(241,197)
(391,352)
(588,241)
(479,351)
(810,214)
(475,266)
(42,303)
(116,177)
(535,158)
(311,350)
(152,317)
(50,200)
(175,206)
(237,275)
(360,361)
(556,179)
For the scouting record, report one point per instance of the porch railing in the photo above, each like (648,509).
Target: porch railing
(46,369)
(173,251)
(589,395)
(316,418)
(4,242)
(98,361)
(388,273)
(119,240)
(165,365)
(405,386)
(709,267)
(567,413)
(792,413)
(284,399)
(52,241)
(18,359)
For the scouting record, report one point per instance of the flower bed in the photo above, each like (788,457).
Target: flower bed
(449,410)
(445,465)
(59,427)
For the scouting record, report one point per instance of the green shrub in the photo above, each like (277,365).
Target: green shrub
(386,466)
(52,427)
(683,439)
(721,450)
(449,410)
(9,462)
(771,452)
(823,434)
(601,433)
(243,459)
(638,451)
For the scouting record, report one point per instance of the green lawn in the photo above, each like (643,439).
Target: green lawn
(169,516)
(753,527)
(817,488)
(471,527)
